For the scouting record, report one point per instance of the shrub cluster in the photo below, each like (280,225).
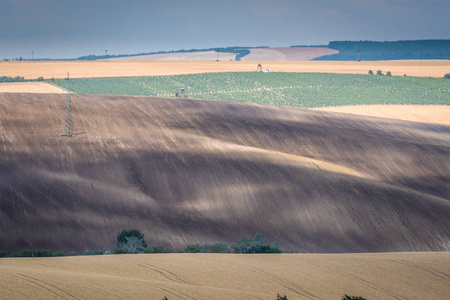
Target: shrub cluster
(4,253)
(99,251)
(12,79)
(132,242)
(37,253)
(19,79)
(347,297)
(258,244)
(380,73)
(207,248)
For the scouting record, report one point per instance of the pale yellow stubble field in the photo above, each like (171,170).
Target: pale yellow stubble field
(30,87)
(228,276)
(438,114)
(86,69)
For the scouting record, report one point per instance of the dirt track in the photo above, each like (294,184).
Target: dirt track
(186,171)
(86,69)
(221,276)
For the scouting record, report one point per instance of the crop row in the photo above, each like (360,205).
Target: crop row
(287,89)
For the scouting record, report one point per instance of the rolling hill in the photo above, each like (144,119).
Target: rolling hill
(189,171)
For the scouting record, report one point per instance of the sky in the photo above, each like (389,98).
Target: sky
(73,28)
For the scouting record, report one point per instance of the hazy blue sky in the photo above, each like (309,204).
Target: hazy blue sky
(72,28)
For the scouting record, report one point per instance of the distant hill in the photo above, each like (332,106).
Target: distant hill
(398,50)
(189,171)
(239,51)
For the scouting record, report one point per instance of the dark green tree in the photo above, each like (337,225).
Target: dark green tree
(131,241)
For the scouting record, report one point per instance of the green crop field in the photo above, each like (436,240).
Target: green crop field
(287,89)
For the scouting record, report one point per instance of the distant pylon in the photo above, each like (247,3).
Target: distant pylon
(259,69)
(68,124)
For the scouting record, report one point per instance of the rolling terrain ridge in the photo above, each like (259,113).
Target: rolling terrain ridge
(189,171)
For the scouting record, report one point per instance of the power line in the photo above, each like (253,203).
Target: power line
(68,124)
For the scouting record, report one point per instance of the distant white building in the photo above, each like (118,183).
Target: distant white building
(266,70)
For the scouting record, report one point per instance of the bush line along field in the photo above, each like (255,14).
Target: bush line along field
(286,89)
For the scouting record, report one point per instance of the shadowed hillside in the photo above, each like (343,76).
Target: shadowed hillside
(191,171)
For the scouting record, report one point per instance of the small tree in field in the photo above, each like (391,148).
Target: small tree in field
(447,76)
(370,72)
(379,72)
(131,241)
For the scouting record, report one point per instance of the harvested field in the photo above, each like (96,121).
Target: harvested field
(287,53)
(200,55)
(86,69)
(437,114)
(189,171)
(225,276)
(30,87)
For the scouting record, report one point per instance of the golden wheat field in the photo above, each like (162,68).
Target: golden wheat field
(30,87)
(85,69)
(228,276)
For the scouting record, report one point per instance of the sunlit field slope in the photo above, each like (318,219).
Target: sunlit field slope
(439,114)
(192,171)
(228,276)
(29,87)
(87,69)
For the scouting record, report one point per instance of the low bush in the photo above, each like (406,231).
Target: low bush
(12,79)
(258,244)
(447,76)
(347,297)
(99,251)
(158,249)
(38,253)
(4,253)
(192,248)
(215,248)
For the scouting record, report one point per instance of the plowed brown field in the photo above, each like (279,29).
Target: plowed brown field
(85,69)
(189,171)
(221,276)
